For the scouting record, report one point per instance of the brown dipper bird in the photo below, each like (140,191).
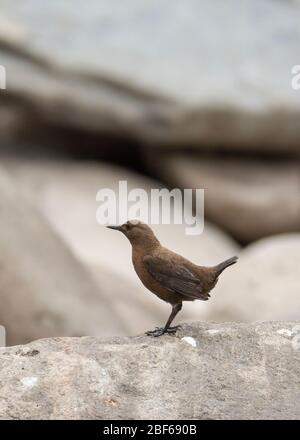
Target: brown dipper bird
(168,275)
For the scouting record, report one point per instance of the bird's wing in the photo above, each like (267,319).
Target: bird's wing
(175,277)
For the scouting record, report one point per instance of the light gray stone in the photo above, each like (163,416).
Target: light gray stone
(199,73)
(264,284)
(230,371)
(249,198)
(65,192)
(44,290)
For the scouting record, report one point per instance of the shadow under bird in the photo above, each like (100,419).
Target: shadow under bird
(168,275)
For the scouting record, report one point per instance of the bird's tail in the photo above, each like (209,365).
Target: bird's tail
(220,267)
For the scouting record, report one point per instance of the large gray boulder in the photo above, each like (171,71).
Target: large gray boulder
(44,289)
(264,285)
(225,371)
(249,198)
(199,73)
(65,192)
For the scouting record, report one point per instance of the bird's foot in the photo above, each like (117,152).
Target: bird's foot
(152,332)
(173,330)
(159,331)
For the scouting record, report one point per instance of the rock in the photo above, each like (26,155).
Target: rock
(235,371)
(66,194)
(59,99)
(199,74)
(44,290)
(249,198)
(10,31)
(55,185)
(263,286)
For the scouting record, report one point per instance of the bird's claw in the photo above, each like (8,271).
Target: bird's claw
(150,332)
(159,331)
(155,333)
(176,327)
(173,330)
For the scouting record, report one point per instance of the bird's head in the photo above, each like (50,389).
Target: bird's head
(136,232)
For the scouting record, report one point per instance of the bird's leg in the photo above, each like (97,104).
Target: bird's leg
(167,329)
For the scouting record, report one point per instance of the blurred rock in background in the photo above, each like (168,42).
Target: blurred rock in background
(265,286)
(248,197)
(44,289)
(192,95)
(65,192)
(196,73)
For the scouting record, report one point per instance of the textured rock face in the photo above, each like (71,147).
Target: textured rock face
(225,371)
(265,285)
(248,198)
(44,289)
(230,86)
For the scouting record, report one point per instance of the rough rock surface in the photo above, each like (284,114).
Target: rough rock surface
(44,290)
(225,371)
(264,286)
(248,198)
(60,189)
(224,68)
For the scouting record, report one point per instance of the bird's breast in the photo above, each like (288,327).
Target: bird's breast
(150,283)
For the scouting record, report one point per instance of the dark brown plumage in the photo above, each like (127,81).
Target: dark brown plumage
(168,275)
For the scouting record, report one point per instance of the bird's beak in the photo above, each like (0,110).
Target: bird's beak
(117,228)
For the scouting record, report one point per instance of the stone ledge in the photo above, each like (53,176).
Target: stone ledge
(207,371)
